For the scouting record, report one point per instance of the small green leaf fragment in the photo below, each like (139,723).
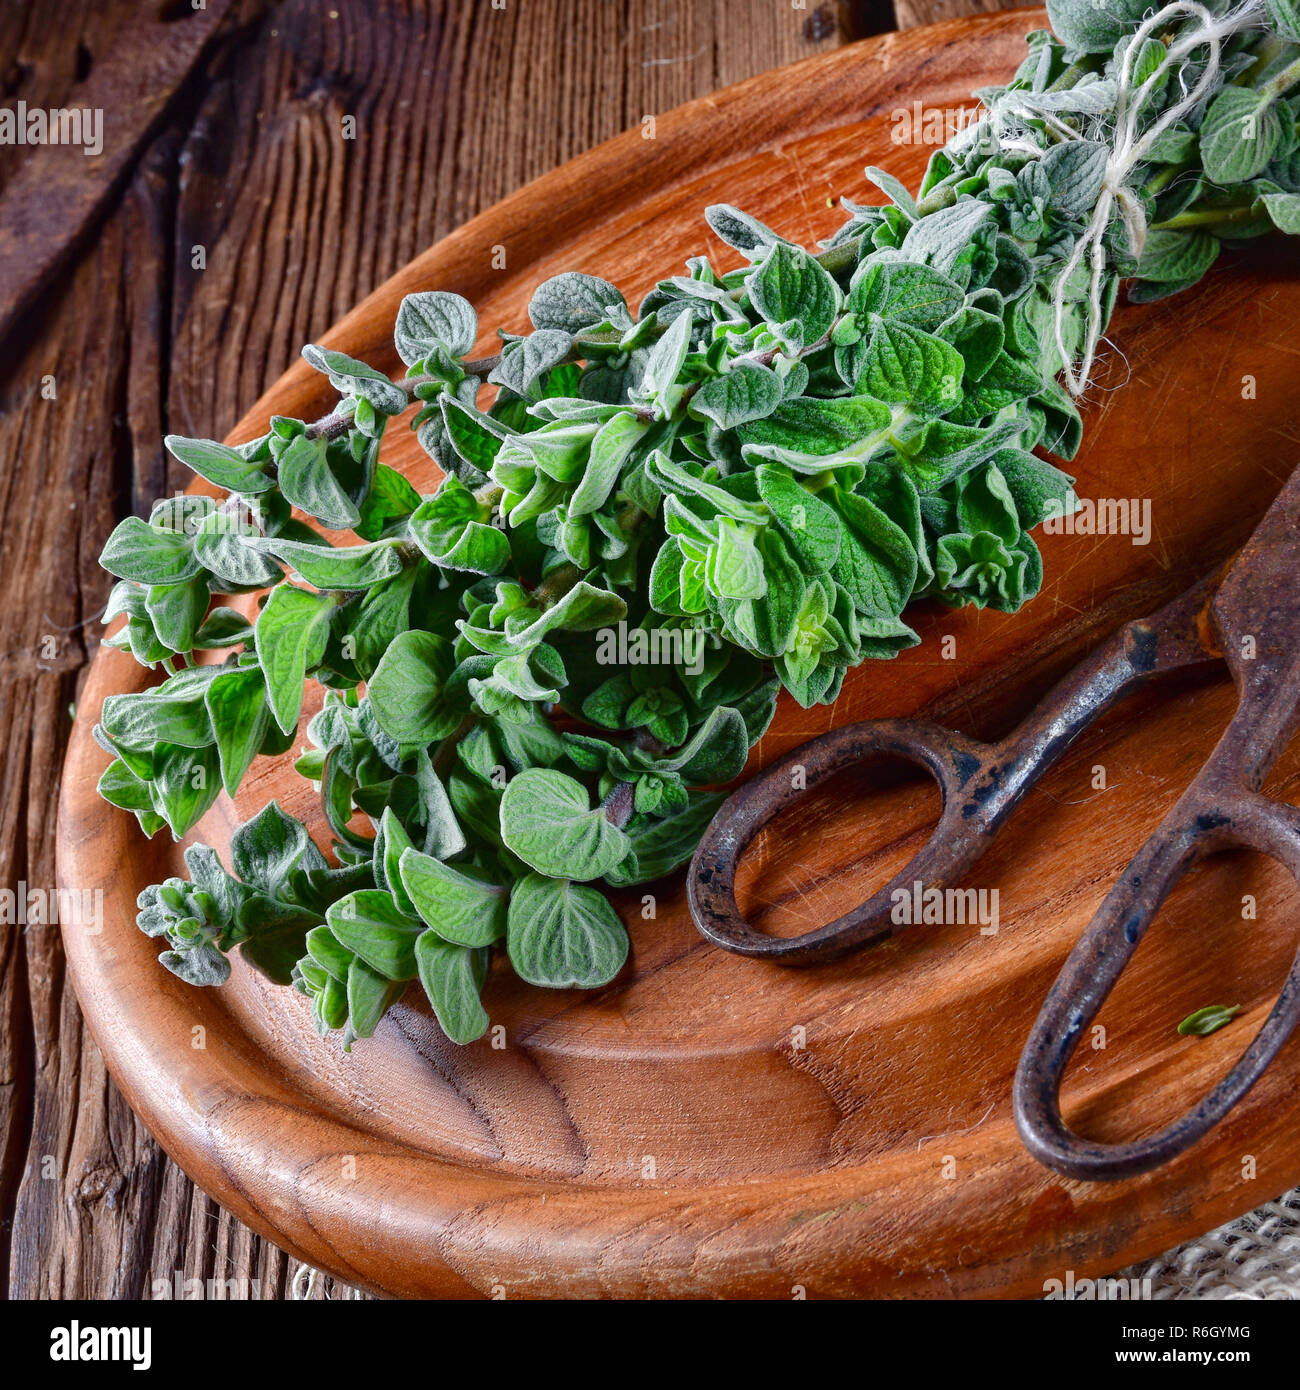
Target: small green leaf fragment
(1208,1020)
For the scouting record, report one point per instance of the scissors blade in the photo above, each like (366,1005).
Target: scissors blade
(1259,595)
(1255,591)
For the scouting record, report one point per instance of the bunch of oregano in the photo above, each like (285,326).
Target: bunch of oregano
(749,479)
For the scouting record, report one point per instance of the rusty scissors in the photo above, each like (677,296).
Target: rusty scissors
(1246,614)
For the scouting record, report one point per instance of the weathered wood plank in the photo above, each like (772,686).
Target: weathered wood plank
(54,199)
(58,433)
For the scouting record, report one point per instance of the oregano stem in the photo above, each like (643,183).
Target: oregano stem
(446,752)
(1283,82)
(1206,218)
(619,804)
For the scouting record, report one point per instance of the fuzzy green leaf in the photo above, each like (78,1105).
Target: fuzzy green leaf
(406,691)
(290,637)
(1239,136)
(562,936)
(795,296)
(429,319)
(148,554)
(453,977)
(371,925)
(219,463)
(548,821)
(308,482)
(462,904)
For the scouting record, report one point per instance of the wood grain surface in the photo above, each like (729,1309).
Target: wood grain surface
(51,202)
(458,104)
(709,1125)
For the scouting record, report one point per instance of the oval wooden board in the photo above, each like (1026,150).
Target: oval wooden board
(712,1126)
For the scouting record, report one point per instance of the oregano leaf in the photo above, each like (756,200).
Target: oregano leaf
(371,925)
(453,977)
(430,319)
(462,904)
(563,936)
(307,480)
(573,301)
(548,821)
(747,392)
(794,294)
(290,638)
(219,463)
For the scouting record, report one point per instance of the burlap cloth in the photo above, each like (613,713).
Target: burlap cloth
(1256,1256)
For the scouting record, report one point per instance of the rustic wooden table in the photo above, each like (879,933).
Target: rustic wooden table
(240,228)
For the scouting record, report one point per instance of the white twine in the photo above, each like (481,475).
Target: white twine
(303,1285)
(302,1288)
(1128,149)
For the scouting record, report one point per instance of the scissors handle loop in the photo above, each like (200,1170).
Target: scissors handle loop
(956,843)
(1196,827)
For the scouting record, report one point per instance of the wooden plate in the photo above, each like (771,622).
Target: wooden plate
(712,1126)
